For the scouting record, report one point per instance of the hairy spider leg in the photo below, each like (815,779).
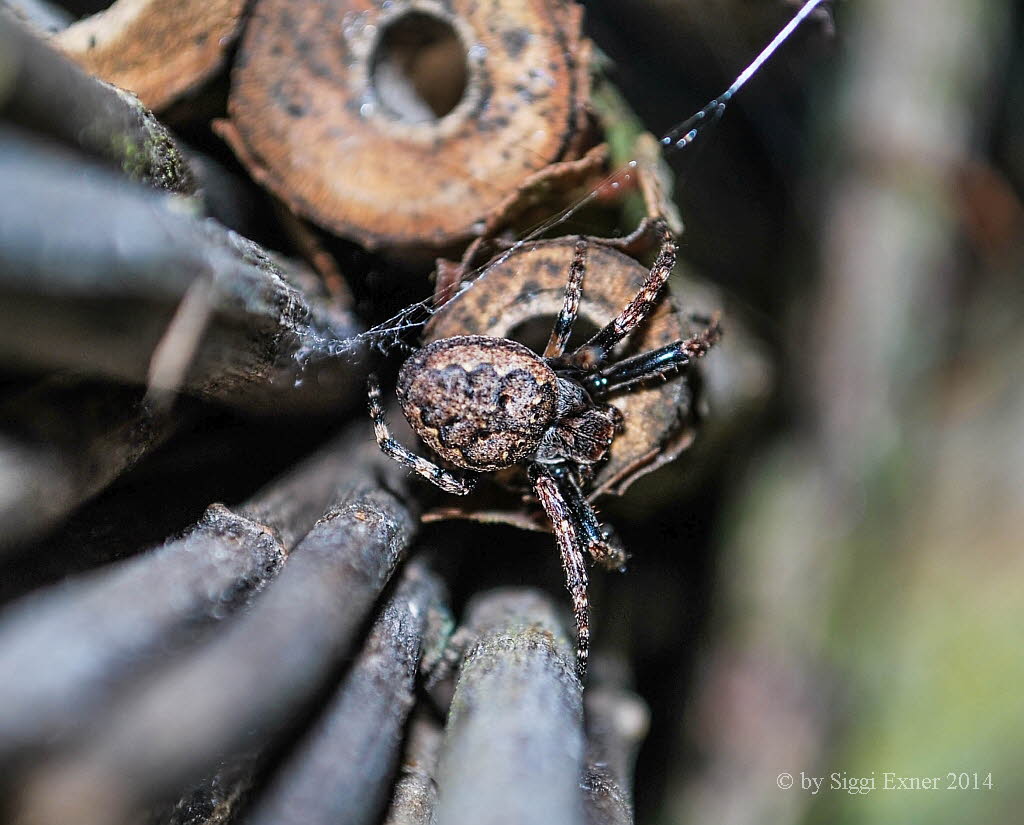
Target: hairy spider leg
(573,563)
(595,351)
(570,305)
(445,479)
(626,374)
(601,544)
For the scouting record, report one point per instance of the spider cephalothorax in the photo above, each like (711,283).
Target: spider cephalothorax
(484,404)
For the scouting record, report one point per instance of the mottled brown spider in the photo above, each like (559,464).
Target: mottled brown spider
(484,404)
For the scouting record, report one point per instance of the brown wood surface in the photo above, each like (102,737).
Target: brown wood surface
(308,122)
(158,50)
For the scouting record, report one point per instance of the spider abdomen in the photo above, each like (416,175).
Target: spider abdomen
(480,403)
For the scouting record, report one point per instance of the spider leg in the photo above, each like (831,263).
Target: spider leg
(595,351)
(567,537)
(445,479)
(625,374)
(602,545)
(570,305)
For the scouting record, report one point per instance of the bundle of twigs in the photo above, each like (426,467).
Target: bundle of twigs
(264,662)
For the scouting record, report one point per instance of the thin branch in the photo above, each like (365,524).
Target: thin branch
(513,749)
(415,792)
(342,770)
(92,269)
(62,649)
(240,691)
(43,90)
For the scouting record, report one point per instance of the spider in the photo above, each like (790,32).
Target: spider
(484,404)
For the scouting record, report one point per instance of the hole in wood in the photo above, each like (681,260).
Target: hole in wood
(534,332)
(85,8)
(418,69)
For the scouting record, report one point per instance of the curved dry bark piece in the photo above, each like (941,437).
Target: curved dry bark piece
(336,108)
(158,50)
(560,182)
(527,287)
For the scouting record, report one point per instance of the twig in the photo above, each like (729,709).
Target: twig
(513,750)
(239,691)
(45,91)
(94,284)
(62,650)
(349,754)
(341,771)
(415,793)
(214,801)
